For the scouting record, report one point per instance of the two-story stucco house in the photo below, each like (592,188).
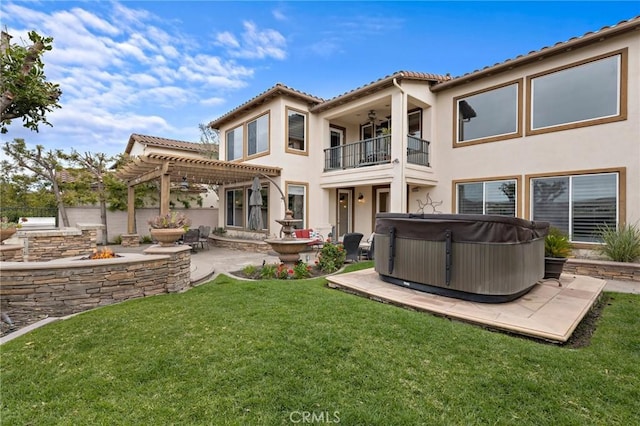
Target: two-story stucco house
(553,135)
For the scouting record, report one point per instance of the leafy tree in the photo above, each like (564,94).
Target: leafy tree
(24,90)
(210,139)
(95,167)
(45,165)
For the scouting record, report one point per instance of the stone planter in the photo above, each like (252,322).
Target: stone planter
(167,237)
(6,233)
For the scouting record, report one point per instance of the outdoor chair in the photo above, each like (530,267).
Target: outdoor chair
(192,238)
(351,244)
(204,236)
(366,248)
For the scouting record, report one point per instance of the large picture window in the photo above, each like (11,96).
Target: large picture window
(489,115)
(258,135)
(235,207)
(497,197)
(296,130)
(296,202)
(580,95)
(234,144)
(577,204)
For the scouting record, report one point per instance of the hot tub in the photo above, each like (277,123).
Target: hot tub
(482,258)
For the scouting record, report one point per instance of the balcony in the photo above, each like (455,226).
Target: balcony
(370,152)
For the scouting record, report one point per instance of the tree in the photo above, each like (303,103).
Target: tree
(97,167)
(45,165)
(25,91)
(210,139)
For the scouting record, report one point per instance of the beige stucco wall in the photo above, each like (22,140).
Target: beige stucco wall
(597,147)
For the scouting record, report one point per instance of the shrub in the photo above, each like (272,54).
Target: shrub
(117,240)
(250,270)
(301,270)
(557,244)
(171,220)
(622,244)
(282,272)
(331,257)
(268,272)
(146,239)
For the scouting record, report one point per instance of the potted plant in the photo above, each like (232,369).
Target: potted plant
(557,248)
(167,229)
(7,229)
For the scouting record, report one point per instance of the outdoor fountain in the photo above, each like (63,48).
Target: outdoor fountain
(287,247)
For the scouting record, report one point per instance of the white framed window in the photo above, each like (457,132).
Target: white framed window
(489,115)
(258,135)
(235,207)
(296,131)
(234,143)
(499,197)
(581,94)
(577,204)
(297,202)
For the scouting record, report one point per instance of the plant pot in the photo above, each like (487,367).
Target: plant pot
(6,233)
(167,237)
(553,267)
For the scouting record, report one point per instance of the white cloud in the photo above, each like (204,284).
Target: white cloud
(279,15)
(214,101)
(256,43)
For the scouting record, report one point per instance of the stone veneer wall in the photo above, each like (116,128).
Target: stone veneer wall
(65,286)
(58,243)
(257,246)
(603,269)
(10,253)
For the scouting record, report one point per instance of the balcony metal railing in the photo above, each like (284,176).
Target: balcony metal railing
(370,152)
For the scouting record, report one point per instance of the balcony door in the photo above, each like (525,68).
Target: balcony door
(344,213)
(337,139)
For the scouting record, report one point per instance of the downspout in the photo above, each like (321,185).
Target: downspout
(403,144)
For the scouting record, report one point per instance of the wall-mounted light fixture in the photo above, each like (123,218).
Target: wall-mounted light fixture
(184,185)
(361,198)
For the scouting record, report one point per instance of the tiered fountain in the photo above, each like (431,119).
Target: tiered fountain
(288,247)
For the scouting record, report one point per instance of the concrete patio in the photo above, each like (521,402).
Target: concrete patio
(549,311)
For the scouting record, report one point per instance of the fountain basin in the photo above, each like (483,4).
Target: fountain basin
(288,249)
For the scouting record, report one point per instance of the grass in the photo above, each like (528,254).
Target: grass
(265,353)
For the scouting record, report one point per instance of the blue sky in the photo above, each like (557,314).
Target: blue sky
(162,67)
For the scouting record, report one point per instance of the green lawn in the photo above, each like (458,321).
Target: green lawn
(271,352)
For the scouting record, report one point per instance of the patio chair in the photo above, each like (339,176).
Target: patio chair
(192,238)
(366,248)
(351,243)
(204,236)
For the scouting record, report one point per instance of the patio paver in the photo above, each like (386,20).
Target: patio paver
(549,311)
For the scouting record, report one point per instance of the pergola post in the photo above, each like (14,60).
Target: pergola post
(165,186)
(131,210)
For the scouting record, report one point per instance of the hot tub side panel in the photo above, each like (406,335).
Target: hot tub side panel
(488,269)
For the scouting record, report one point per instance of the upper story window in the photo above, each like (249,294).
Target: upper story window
(258,135)
(234,143)
(581,94)
(296,131)
(488,197)
(489,115)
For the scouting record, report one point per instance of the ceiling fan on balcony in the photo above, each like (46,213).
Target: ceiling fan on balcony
(371,115)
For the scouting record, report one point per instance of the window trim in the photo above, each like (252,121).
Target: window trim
(226,210)
(226,142)
(622,98)
(517,178)
(305,220)
(245,153)
(519,115)
(622,191)
(304,151)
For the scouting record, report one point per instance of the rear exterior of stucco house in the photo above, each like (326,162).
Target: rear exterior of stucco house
(552,135)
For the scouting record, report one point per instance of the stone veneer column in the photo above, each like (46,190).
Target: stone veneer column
(130,240)
(179,273)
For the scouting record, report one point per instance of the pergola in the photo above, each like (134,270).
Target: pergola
(177,169)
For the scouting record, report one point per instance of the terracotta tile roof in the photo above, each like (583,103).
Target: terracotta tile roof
(545,52)
(376,85)
(163,142)
(278,89)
